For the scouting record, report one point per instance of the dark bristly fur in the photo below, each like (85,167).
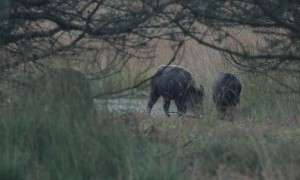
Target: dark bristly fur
(226,91)
(175,83)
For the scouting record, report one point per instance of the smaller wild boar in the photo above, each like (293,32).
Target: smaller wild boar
(226,91)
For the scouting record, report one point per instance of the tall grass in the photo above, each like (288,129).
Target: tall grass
(49,135)
(60,141)
(261,143)
(60,147)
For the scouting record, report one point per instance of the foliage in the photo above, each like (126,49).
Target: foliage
(45,136)
(49,135)
(272,24)
(37,29)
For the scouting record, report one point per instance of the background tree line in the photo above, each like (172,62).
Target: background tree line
(32,30)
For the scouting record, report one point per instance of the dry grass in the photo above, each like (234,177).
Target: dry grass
(214,149)
(259,144)
(262,140)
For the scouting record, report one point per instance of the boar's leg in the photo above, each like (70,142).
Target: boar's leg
(152,100)
(166,106)
(181,107)
(221,111)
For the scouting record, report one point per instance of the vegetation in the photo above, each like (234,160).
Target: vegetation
(54,126)
(261,143)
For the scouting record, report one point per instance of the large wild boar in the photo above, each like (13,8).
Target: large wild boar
(175,83)
(226,91)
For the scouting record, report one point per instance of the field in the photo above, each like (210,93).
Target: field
(261,142)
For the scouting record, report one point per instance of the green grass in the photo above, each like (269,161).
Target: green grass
(67,145)
(213,149)
(56,139)
(46,138)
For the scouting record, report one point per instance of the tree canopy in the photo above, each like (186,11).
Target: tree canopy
(31,30)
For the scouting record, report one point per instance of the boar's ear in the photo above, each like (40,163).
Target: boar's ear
(200,88)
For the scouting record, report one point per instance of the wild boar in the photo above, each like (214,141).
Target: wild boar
(175,83)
